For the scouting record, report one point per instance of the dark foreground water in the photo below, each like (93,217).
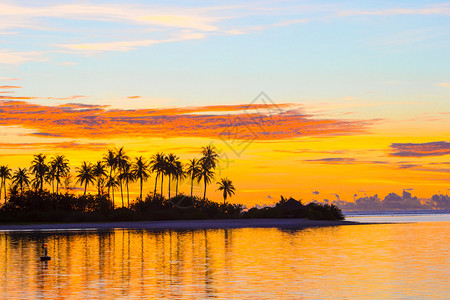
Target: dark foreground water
(382,261)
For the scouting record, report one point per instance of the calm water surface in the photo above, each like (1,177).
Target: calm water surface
(400,261)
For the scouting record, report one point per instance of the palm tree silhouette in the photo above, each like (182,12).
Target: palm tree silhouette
(141,171)
(59,166)
(193,169)
(39,170)
(127,176)
(208,163)
(157,162)
(110,161)
(85,175)
(99,172)
(5,173)
(121,160)
(227,187)
(112,183)
(21,178)
(178,173)
(170,167)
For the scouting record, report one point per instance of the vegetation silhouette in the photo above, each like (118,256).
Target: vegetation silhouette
(30,201)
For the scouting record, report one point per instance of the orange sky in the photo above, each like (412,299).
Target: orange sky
(266,149)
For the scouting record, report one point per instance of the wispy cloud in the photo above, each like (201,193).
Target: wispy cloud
(420,149)
(438,9)
(126,45)
(17,57)
(10,87)
(234,121)
(58,145)
(444,84)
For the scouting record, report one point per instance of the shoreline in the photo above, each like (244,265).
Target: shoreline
(183,225)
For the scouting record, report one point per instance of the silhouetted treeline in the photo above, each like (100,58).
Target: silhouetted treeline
(394,201)
(32,206)
(291,208)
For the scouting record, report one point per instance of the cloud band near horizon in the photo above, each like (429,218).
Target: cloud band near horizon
(241,122)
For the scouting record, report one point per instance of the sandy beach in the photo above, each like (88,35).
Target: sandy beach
(183,225)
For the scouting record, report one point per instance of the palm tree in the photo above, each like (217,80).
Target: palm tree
(59,165)
(178,174)
(121,160)
(21,178)
(170,166)
(127,176)
(141,171)
(99,171)
(208,163)
(193,168)
(157,165)
(85,175)
(5,173)
(112,183)
(227,187)
(110,161)
(39,169)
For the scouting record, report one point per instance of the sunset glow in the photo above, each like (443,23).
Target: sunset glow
(310,100)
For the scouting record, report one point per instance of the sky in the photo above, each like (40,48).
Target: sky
(309,99)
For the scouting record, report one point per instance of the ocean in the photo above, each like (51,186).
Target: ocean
(405,256)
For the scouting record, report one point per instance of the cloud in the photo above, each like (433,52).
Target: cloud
(61,145)
(233,122)
(10,87)
(315,193)
(420,149)
(17,57)
(332,160)
(440,9)
(8,79)
(133,97)
(122,46)
(444,84)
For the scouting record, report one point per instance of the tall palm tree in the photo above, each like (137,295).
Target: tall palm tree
(127,177)
(193,169)
(112,183)
(85,175)
(170,167)
(208,163)
(21,178)
(99,172)
(5,173)
(178,173)
(121,160)
(51,175)
(39,169)
(110,161)
(59,165)
(141,171)
(227,187)
(157,165)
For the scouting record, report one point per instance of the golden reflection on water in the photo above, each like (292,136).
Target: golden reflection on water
(367,261)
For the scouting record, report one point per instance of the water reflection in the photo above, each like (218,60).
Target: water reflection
(373,261)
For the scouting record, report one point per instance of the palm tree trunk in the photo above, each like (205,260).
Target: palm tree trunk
(85,188)
(121,192)
(156,184)
(1,189)
(192,182)
(57,186)
(4,186)
(176,188)
(204,193)
(128,196)
(162,181)
(141,187)
(169,185)
(110,179)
